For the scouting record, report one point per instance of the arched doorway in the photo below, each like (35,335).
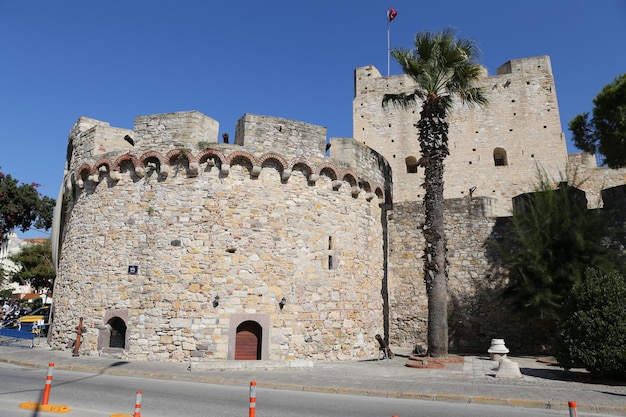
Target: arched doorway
(248,341)
(118,333)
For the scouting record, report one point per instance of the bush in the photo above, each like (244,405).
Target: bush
(555,238)
(594,334)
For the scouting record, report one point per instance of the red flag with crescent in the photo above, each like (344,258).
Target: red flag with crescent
(391,14)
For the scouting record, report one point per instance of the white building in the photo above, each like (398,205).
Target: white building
(12,246)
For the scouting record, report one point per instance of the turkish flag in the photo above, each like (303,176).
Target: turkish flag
(391,14)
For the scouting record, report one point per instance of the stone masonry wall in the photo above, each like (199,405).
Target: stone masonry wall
(220,222)
(222,233)
(521,122)
(584,174)
(477,311)
(261,134)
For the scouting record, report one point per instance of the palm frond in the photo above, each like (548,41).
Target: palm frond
(402,100)
(443,66)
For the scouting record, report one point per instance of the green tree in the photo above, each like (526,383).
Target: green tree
(555,239)
(444,69)
(6,294)
(605,132)
(594,335)
(21,206)
(36,265)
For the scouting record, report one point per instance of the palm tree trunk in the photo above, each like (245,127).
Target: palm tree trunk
(437,287)
(433,131)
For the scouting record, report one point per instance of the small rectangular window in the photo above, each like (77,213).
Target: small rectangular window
(332,261)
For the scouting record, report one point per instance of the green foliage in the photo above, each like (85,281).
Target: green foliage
(6,294)
(37,267)
(555,239)
(182,156)
(605,132)
(21,206)
(594,335)
(444,68)
(202,145)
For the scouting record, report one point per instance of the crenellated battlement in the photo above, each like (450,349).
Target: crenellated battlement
(193,164)
(527,67)
(164,143)
(262,134)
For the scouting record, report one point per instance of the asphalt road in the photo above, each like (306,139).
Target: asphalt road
(89,394)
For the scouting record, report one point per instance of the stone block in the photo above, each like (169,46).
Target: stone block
(508,369)
(180,323)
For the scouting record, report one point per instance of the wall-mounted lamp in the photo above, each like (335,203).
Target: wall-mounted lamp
(216,301)
(282,303)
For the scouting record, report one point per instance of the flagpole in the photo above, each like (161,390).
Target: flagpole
(391,14)
(388,47)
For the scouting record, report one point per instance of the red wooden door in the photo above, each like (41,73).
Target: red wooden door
(248,341)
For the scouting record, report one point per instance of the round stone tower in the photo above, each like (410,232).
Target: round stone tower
(172,246)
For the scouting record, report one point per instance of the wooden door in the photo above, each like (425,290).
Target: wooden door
(248,341)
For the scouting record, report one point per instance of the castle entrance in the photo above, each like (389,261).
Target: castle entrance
(112,334)
(248,341)
(118,333)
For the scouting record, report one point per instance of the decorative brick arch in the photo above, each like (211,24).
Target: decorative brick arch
(84,171)
(241,155)
(177,154)
(273,157)
(327,169)
(349,176)
(150,155)
(127,157)
(104,161)
(209,153)
(364,183)
(302,161)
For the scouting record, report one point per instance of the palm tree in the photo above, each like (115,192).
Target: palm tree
(444,69)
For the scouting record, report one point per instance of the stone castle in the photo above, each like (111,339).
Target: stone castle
(283,245)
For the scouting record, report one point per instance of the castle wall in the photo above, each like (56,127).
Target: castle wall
(261,134)
(243,229)
(174,130)
(90,138)
(586,175)
(349,153)
(522,119)
(477,312)
(305,241)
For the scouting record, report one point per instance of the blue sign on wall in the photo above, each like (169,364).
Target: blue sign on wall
(133,269)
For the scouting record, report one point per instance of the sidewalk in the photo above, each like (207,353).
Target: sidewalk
(473,381)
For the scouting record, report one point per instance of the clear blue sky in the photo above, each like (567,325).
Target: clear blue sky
(114,60)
